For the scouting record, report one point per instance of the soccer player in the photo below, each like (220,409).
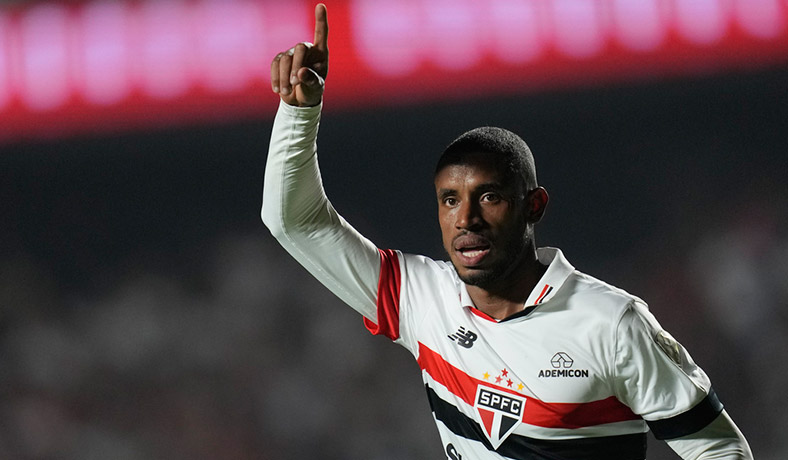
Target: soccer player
(522,355)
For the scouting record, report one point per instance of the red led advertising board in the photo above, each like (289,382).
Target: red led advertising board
(113,65)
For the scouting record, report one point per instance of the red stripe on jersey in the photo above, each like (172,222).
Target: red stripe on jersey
(536,412)
(388,297)
(544,291)
(482,314)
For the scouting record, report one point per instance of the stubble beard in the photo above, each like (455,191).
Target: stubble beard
(498,273)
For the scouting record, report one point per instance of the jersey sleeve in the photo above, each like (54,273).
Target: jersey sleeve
(721,439)
(656,377)
(299,215)
(388,299)
(409,287)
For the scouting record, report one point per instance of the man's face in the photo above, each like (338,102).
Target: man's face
(482,220)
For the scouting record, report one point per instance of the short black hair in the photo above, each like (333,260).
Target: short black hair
(506,148)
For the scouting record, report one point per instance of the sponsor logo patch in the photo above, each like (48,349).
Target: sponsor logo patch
(561,359)
(562,367)
(499,412)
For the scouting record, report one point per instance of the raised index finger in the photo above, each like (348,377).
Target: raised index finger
(321,27)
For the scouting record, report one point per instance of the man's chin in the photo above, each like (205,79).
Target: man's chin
(494,270)
(476,277)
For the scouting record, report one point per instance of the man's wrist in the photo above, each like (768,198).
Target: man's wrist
(300,110)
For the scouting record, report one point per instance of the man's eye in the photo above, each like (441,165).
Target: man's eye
(450,201)
(491,197)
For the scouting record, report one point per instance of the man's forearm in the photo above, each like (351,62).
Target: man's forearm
(292,189)
(299,215)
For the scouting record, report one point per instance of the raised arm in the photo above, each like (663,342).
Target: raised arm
(295,207)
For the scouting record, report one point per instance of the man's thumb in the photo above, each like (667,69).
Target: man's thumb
(310,78)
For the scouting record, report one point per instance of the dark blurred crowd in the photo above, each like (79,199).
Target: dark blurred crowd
(259,361)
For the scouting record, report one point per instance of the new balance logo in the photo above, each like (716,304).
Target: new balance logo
(463,338)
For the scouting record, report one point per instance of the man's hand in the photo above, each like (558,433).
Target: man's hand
(298,74)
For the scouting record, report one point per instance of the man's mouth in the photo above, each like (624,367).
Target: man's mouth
(472,252)
(472,257)
(471,249)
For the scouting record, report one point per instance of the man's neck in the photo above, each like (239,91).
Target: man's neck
(508,296)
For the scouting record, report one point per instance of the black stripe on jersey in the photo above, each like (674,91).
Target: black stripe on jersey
(689,422)
(624,447)
(524,312)
(546,294)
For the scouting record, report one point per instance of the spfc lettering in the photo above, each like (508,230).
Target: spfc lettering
(500,402)
(499,412)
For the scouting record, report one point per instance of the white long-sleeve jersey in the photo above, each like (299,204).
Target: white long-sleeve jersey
(583,372)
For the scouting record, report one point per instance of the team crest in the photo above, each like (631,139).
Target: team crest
(499,412)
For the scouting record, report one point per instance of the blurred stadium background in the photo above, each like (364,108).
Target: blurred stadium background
(145,312)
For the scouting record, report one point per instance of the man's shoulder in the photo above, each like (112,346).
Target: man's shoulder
(426,275)
(417,264)
(588,291)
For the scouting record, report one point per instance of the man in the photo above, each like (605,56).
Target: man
(522,355)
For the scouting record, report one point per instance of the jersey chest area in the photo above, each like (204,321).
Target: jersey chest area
(549,356)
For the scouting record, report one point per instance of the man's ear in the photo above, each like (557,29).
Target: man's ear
(536,203)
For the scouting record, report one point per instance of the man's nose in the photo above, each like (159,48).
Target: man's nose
(468,215)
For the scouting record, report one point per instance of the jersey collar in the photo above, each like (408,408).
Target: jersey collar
(558,270)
